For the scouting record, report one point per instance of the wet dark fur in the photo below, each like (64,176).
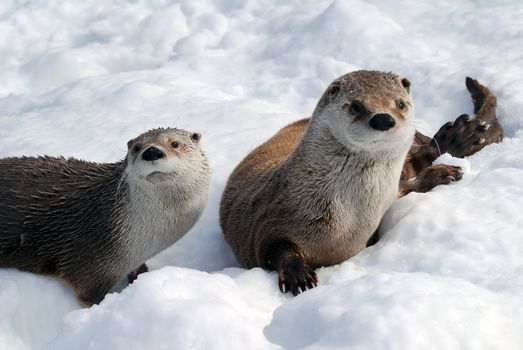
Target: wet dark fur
(92,224)
(63,214)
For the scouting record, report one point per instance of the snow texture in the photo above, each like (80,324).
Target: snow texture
(81,78)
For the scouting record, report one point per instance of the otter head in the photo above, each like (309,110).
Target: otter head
(165,154)
(369,111)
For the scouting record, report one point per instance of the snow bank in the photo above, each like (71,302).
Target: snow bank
(81,79)
(398,311)
(177,308)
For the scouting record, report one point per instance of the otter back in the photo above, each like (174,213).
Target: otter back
(53,208)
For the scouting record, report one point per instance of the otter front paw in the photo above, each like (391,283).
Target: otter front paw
(438,174)
(430,177)
(466,136)
(296,276)
(93,289)
(131,276)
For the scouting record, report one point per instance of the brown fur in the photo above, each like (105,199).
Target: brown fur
(463,137)
(281,209)
(275,211)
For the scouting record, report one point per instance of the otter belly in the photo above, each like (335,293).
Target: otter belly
(340,244)
(354,219)
(154,229)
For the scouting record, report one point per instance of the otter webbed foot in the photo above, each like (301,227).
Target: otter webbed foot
(294,274)
(131,276)
(466,136)
(430,177)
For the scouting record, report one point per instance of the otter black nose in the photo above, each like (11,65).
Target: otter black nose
(382,121)
(152,153)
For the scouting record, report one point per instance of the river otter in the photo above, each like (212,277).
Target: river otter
(89,223)
(314,193)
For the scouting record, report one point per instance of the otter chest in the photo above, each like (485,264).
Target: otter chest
(356,207)
(156,221)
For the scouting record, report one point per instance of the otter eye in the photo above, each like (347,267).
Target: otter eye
(175,144)
(357,107)
(401,105)
(136,149)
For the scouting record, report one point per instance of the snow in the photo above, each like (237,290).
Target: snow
(82,78)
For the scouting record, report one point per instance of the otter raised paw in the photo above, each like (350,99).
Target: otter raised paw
(463,137)
(467,135)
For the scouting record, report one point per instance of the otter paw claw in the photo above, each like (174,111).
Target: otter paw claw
(133,275)
(464,137)
(297,278)
(438,174)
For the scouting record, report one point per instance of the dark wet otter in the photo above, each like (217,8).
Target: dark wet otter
(90,224)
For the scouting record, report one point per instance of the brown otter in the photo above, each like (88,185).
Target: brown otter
(314,193)
(89,223)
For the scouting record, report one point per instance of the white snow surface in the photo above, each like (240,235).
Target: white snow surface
(81,78)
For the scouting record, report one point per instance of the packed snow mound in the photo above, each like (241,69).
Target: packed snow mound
(82,78)
(178,308)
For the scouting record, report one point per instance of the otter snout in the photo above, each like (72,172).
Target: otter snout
(382,121)
(152,153)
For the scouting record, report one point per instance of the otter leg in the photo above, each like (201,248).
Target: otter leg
(294,274)
(373,239)
(131,276)
(484,100)
(430,177)
(461,138)
(467,135)
(93,292)
(422,154)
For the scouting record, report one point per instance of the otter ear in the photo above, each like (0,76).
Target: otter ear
(196,137)
(333,90)
(406,84)
(130,143)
